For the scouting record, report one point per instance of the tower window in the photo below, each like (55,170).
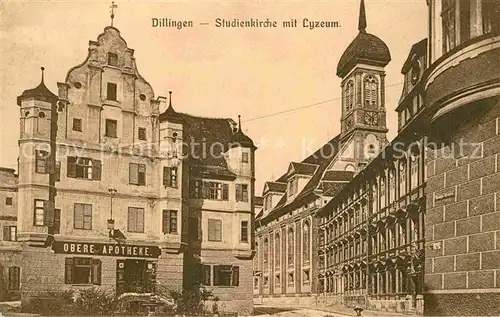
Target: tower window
(142,134)
(448,20)
(142,97)
(244,157)
(77,124)
(349,95)
(112,59)
(111,92)
(371,91)
(111,126)
(41,114)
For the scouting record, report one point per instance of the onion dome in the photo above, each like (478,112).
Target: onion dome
(40,92)
(366,48)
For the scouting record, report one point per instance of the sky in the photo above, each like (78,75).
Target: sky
(259,73)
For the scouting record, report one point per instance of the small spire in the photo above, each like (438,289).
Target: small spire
(113,6)
(239,123)
(362,17)
(170,99)
(43,69)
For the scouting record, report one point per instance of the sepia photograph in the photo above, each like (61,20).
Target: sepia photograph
(250,158)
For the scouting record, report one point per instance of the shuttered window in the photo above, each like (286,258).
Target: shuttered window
(170,176)
(214,230)
(242,192)
(170,221)
(135,219)
(82,216)
(38,216)
(137,174)
(9,233)
(82,271)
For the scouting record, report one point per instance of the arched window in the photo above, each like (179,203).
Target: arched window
(266,254)
(349,168)
(392,185)
(349,95)
(374,197)
(277,250)
(306,242)
(371,91)
(414,170)
(402,178)
(382,191)
(290,247)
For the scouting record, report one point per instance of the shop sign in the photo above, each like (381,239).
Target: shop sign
(106,249)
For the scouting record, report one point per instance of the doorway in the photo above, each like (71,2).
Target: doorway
(135,276)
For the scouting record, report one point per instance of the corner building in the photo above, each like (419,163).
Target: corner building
(115,193)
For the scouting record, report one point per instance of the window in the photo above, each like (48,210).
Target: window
(170,221)
(9,233)
(8,201)
(170,176)
(82,271)
(277,250)
(214,230)
(266,254)
(58,171)
(215,191)
(491,16)
(402,178)
(414,171)
(82,167)
(137,174)
(56,228)
(306,276)
(226,275)
(111,92)
(39,218)
(244,231)
(448,25)
(111,126)
(112,59)
(206,275)
(195,189)
(242,192)
(82,216)
(349,95)
(41,161)
(374,197)
(382,191)
(371,91)
(291,245)
(77,124)
(14,278)
(392,186)
(306,242)
(290,278)
(135,219)
(245,157)
(142,134)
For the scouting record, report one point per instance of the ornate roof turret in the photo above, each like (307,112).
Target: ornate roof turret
(365,48)
(40,92)
(240,139)
(170,114)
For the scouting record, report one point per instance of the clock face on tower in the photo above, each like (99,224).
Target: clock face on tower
(371,118)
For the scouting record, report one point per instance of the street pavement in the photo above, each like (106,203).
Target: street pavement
(267,311)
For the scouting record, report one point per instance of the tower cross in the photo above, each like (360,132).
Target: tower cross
(112,7)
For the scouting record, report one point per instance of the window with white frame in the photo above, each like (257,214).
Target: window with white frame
(371,91)
(82,216)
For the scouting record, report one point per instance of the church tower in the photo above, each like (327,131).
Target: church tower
(363,119)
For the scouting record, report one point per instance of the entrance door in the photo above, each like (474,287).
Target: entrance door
(135,276)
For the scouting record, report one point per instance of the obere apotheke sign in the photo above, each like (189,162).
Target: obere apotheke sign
(106,249)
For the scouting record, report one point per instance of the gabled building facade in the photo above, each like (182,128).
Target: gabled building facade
(117,193)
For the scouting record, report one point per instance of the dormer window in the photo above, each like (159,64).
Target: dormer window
(112,59)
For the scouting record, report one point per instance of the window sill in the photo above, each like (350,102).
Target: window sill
(111,136)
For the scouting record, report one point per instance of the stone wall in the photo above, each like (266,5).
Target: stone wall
(462,269)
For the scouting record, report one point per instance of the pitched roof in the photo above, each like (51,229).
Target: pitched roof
(322,158)
(275,187)
(207,139)
(337,176)
(301,168)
